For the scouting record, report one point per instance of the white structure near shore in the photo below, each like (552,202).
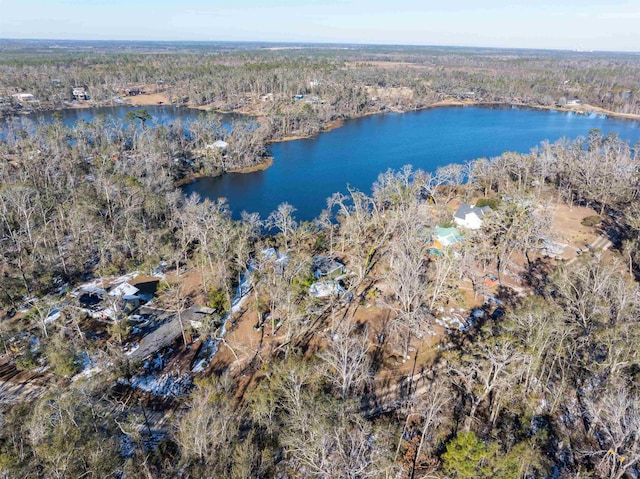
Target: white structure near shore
(470,217)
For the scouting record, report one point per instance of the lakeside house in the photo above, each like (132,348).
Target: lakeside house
(278,259)
(23,97)
(80,93)
(327,288)
(442,238)
(133,91)
(326,267)
(122,296)
(469,216)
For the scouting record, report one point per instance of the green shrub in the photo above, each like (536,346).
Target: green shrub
(27,360)
(447,223)
(492,203)
(62,358)
(217,300)
(593,220)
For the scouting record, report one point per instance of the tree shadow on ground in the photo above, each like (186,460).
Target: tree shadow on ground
(537,274)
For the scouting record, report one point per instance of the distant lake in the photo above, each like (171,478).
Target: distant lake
(160,114)
(306,172)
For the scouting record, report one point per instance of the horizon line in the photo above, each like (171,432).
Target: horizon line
(317,43)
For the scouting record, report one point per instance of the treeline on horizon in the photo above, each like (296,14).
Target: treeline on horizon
(548,388)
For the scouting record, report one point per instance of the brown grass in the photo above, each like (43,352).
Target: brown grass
(148,99)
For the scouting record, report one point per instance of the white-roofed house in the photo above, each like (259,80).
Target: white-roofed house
(470,217)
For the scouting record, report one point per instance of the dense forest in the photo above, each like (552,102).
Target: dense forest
(539,380)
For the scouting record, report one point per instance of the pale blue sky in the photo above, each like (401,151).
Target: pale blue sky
(560,24)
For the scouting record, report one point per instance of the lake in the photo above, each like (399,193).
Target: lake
(160,114)
(306,172)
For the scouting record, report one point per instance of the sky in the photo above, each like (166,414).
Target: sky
(560,24)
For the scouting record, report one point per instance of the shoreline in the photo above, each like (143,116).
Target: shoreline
(582,109)
(579,109)
(263,165)
(335,124)
(253,168)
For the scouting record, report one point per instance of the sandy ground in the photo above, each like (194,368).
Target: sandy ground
(590,108)
(245,346)
(568,228)
(148,99)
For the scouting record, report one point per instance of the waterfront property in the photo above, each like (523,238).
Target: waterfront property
(306,172)
(470,217)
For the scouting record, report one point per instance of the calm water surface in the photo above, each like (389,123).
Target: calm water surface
(161,115)
(306,172)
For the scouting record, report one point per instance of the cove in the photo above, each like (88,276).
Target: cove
(306,172)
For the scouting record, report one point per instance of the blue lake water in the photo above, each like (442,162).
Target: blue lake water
(162,115)
(306,172)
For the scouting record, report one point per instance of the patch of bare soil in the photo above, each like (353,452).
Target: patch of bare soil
(148,99)
(191,281)
(568,228)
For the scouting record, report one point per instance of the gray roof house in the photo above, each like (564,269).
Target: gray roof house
(326,267)
(469,216)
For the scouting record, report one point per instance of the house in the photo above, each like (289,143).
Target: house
(325,289)
(23,97)
(573,102)
(217,145)
(198,316)
(444,237)
(490,280)
(123,289)
(134,91)
(80,93)
(272,255)
(326,267)
(470,217)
